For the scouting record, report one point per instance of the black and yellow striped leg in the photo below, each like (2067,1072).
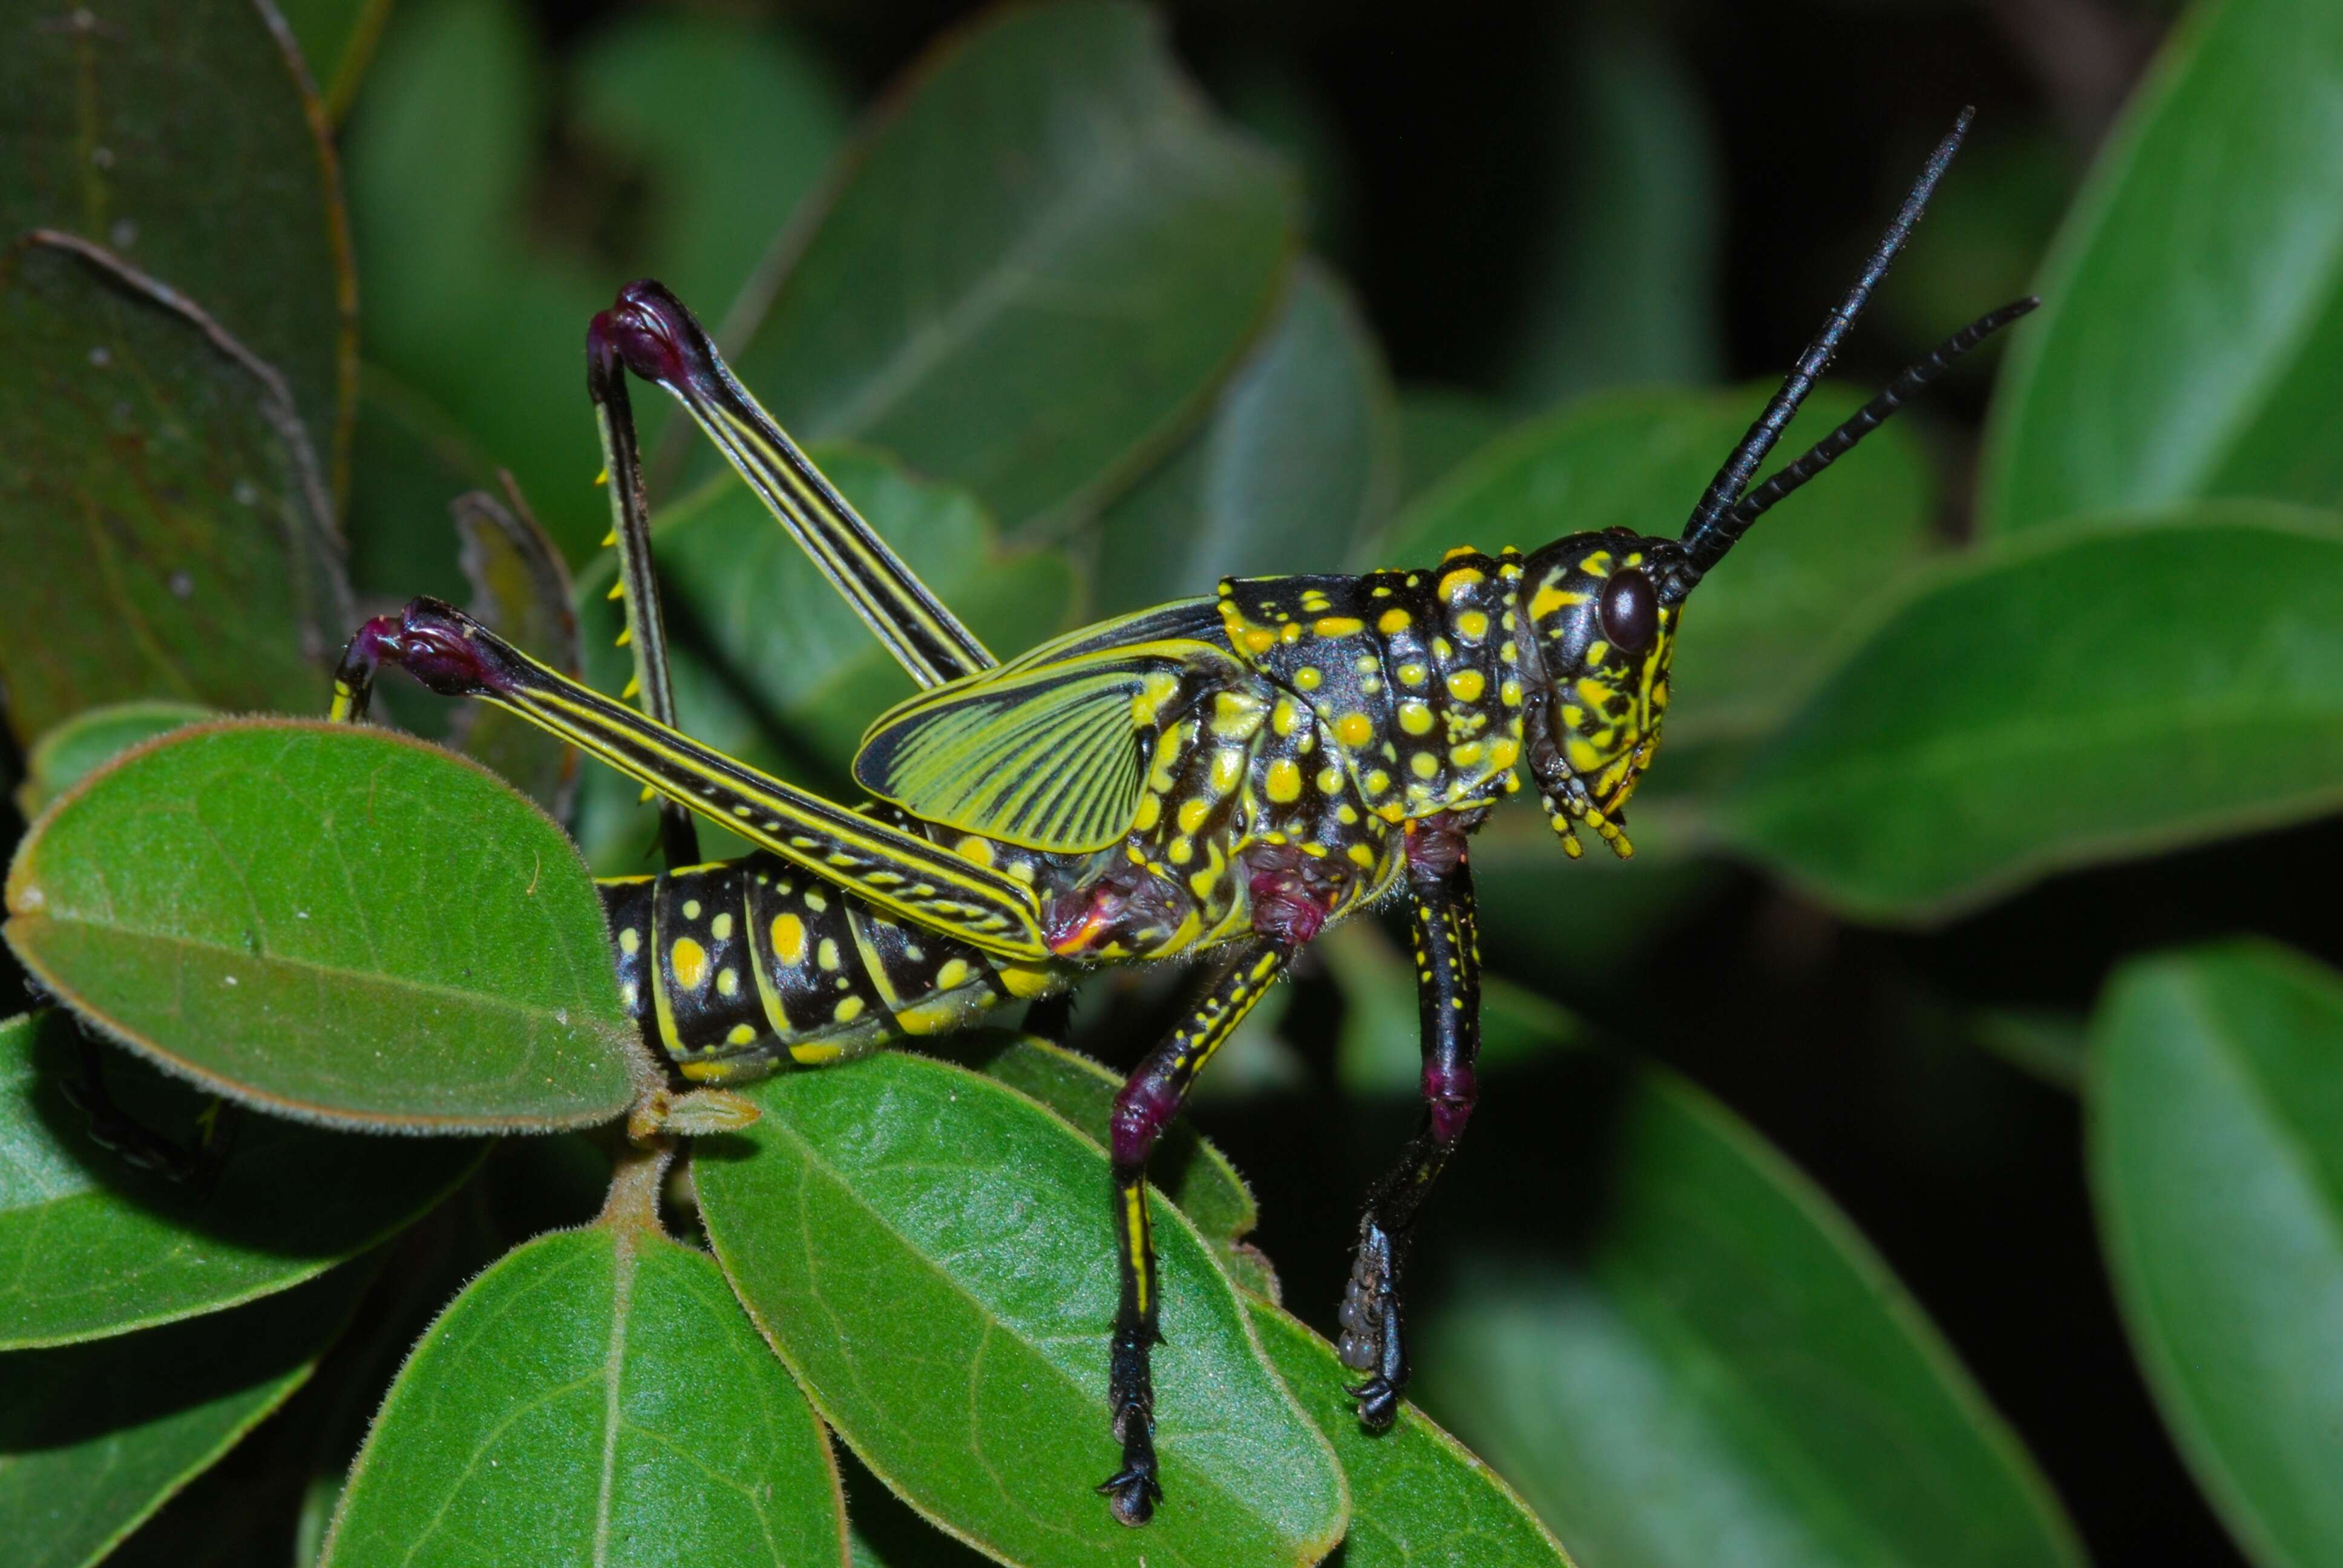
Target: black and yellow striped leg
(1448,1005)
(898,871)
(1151,1097)
(650,330)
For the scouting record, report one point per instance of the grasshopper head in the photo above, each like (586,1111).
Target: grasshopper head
(1601,612)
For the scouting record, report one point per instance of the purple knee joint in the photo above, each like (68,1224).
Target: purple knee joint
(1449,1091)
(1141,1110)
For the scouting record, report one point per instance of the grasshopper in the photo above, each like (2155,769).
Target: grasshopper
(1219,778)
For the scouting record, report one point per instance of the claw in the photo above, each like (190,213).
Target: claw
(1133,1492)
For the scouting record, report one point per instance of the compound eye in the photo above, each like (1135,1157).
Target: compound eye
(1631,611)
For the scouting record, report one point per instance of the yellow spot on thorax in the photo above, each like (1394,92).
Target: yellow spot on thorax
(1354,730)
(1466,685)
(1339,625)
(1394,620)
(1415,718)
(690,961)
(1283,783)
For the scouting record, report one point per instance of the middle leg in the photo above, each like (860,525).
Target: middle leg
(1151,1097)
(1448,1006)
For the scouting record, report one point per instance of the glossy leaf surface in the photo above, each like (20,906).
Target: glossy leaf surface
(2216,1097)
(172,536)
(772,666)
(595,1397)
(176,134)
(1040,259)
(74,749)
(2194,318)
(1726,1361)
(94,1438)
(2067,699)
(933,1255)
(91,1246)
(1294,470)
(1781,608)
(1185,1166)
(329,921)
(1418,1497)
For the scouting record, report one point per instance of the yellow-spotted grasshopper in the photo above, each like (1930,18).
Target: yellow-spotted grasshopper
(1219,778)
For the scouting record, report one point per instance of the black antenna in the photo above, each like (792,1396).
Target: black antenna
(1862,422)
(1703,546)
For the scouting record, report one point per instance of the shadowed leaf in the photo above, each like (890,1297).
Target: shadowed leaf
(1293,471)
(1723,1359)
(2216,1098)
(94,1438)
(91,1246)
(172,539)
(176,134)
(1035,266)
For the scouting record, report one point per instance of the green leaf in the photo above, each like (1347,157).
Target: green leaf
(731,125)
(933,1256)
(1185,1166)
(90,1246)
(74,749)
(1572,924)
(1294,471)
(94,1438)
(1439,428)
(2061,700)
(2215,1134)
(1422,1498)
(1622,267)
(596,1396)
(1785,605)
(178,134)
(521,591)
(169,533)
(1038,264)
(2193,328)
(330,921)
(336,38)
(411,459)
(1379,1051)
(459,305)
(773,667)
(1727,1361)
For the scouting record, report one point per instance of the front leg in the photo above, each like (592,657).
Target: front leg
(1448,1007)
(1151,1097)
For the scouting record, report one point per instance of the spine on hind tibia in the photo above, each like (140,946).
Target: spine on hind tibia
(740,968)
